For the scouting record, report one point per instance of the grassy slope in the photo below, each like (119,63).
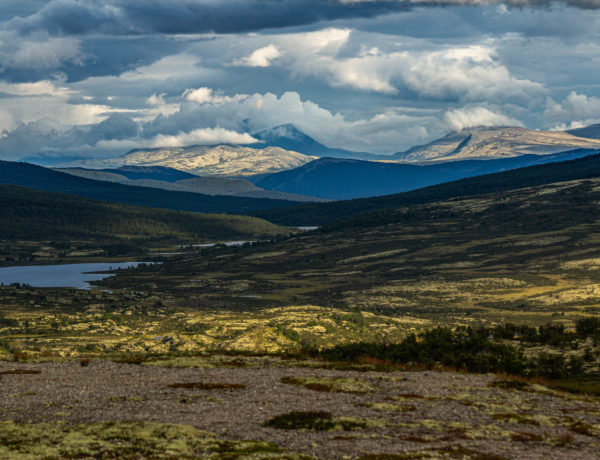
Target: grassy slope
(28,175)
(529,256)
(526,255)
(325,213)
(32,214)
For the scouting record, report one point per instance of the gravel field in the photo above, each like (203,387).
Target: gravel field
(401,412)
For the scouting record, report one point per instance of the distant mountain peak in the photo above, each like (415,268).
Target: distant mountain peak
(286,131)
(287,136)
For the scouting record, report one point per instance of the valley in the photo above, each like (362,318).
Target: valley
(479,295)
(300,229)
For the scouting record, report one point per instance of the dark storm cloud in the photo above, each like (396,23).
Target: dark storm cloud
(72,17)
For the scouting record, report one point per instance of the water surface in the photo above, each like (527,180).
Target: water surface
(78,276)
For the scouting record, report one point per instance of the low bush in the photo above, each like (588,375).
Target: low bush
(471,349)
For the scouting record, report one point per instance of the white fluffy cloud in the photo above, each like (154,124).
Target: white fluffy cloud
(386,132)
(39,88)
(466,73)
(206,95)
(201,136)
(470,73)
(574,111)
(390,75)
(261,57)
(470,117)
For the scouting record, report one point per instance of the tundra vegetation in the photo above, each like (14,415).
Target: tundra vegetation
(463,328)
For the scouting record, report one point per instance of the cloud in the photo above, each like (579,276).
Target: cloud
(261,57)
(588,4)
(176,66)
(156,99)
(386,132)
(227,122)
(574,111)
(378,76)
(471,117)
(39,88)
(37,52)
(7,123)
(47,54)
(200,136)
(466,73)
(206,95)
(73,17)
(122,17)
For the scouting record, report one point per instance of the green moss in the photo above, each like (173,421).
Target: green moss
(330,384)
(320,421)
(511,385)
(125,440)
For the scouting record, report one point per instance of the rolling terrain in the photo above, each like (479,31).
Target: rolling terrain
(353,340)
(528,255)
(325,213)
(487,143)
(40,225)
(37,177)
(164,178)
(525,253)
(224,160)
(342,179)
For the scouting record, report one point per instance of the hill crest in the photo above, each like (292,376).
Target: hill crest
(488,143)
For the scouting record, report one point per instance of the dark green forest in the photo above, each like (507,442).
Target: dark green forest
(35,215)
(37,177)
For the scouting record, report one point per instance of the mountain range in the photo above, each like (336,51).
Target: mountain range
(340,179)
(311,214)
(284,147)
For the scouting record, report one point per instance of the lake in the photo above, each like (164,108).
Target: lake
(226,243)
(78,276)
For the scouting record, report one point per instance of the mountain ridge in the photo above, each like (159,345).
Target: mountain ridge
(221,159)
(40,178)
(335,178)
(324,213)
(494,142)
(174,180)
(288,137)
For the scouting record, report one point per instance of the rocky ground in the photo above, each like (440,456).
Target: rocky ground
(302,408)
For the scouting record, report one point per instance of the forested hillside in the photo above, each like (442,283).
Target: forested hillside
(37,177)
(325,213)
(27,214)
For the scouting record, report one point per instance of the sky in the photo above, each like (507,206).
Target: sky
(97,78)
